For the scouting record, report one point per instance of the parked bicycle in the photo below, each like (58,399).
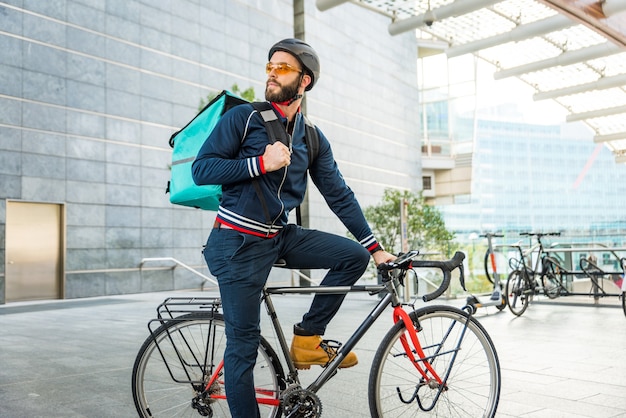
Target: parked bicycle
(529,278)
(435,359)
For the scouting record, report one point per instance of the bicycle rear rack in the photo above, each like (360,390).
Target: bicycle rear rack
(172,308)
(177,346)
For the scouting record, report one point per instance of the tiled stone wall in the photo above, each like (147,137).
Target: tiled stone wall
(90,92)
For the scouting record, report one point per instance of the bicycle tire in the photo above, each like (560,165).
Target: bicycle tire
(551,280)
(473,383)
(518,292)
(551,287)
(186,342)
(624,302)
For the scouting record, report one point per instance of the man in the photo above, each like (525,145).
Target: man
(261,183)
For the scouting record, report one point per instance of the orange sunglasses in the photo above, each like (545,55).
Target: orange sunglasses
(281,68)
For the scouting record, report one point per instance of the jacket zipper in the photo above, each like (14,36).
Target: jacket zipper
(280,187)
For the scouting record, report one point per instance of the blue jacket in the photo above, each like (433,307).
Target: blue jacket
(232,157)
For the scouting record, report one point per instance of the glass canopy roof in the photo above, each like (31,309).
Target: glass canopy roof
(570,51)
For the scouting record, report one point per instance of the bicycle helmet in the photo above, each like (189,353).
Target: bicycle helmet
(303,53)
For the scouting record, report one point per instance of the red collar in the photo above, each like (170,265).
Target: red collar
(275,104)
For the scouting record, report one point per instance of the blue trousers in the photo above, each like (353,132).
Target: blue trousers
(242,263)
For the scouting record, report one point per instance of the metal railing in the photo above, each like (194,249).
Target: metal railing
(211,280)
(178,263)
(302,276)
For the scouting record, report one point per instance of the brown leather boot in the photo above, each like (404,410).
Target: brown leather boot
(307,351)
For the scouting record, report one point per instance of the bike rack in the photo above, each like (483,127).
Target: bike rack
(597,288)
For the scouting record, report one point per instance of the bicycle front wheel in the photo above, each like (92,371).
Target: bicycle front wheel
(518,292)
(460,351)
(179,359)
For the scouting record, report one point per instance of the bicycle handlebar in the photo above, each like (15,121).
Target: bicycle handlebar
(446,267)
(406,262)
(492,235)
(540,234)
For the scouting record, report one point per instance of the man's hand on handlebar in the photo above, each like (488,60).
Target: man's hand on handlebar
(383,256)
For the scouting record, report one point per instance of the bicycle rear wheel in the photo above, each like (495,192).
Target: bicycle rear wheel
(551,285)
(176,362)
(551,280)
(518,292)
(396,389)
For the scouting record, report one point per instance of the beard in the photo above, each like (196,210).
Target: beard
(284,93)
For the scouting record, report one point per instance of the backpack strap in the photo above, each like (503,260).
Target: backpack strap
(275,129)
(277,132)
(312,140)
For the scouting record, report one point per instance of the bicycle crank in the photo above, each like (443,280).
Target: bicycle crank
(301,403)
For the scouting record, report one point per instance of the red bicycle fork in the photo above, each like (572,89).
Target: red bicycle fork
(400,314)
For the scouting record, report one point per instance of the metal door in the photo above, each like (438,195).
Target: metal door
(34,251)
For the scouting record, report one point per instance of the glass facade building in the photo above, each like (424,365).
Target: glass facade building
(522,175)
(540,178)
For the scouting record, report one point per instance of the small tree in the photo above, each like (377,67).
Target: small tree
(426,228)
(247,94)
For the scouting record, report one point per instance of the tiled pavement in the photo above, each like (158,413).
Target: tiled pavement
(73,358)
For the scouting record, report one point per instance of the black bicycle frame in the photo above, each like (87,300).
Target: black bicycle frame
(333,365)
(390,298)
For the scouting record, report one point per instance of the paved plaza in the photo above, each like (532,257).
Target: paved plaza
(73,358)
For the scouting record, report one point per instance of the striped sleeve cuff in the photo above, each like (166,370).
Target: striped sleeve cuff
(371,244)
(255,166)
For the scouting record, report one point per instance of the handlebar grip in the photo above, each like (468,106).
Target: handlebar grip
(444,285)
(446,267)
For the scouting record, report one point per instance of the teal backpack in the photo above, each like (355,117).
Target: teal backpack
(187,142)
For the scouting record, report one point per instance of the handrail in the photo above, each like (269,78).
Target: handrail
(180,263)
(207,278)
(583,249)
(303,276)
(600,247)
(428,282)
